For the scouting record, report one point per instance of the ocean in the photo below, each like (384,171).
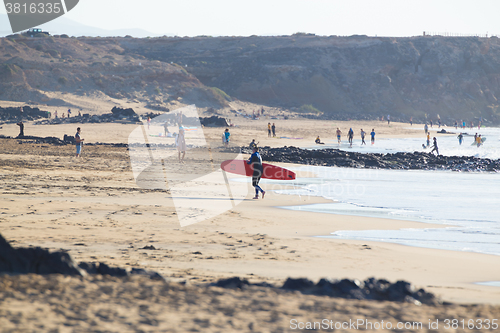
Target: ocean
(466,203)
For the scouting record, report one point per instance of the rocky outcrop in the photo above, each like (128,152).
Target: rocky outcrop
(401,160)
(41,261)
(15,114)
(214,121)
(35,260)
(370,289)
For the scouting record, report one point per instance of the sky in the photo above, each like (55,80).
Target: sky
(396,18)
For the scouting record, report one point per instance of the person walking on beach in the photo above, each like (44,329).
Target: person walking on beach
(428,139)
(226,137)
(388,119)
(435,146)
(268,130)
(273,128)
(372,134)
(255,161)
(55,114)
(180,142)
(21,129)
(411,121)
(350,136)
(426,128)
(339,133)
(363,133)
(79,142)
(460,138)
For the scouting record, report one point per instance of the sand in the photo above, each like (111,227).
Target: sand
(92,208)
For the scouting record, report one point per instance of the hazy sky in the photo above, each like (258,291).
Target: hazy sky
(281,17)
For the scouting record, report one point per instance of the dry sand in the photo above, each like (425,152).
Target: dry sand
(93,208)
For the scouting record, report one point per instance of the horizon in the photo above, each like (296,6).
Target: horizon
(219,18)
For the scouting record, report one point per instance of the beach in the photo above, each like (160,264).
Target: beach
(92,208)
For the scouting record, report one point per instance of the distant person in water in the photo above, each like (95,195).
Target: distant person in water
(350,136)
(21,129)
(79,142)
(339,134)
(372,134)
(460,138)
(478,141)
(256,162)
(363,133)
(435,146)
(318,141)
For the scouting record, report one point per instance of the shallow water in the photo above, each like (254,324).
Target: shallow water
(447,143)
(467,202)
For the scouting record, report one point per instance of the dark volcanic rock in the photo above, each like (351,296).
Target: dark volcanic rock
(373,289)
(214,121)
(370,289)
(14,114)
(40,261)
(401,160)
(234,282)
(35,260)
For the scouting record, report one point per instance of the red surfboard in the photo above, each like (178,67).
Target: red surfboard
(241,167)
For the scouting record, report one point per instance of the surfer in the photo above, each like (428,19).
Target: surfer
(435,146)
(478,140)
(339,133)
(318,141)
(460,138)
(79,142)
(372,134)
(256,162)
(363,133)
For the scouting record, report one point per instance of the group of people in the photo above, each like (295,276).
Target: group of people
(350,136)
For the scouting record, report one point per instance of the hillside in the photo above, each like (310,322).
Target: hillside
(33,68)
(343,77)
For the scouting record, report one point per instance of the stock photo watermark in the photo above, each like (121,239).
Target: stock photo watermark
(26,14)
